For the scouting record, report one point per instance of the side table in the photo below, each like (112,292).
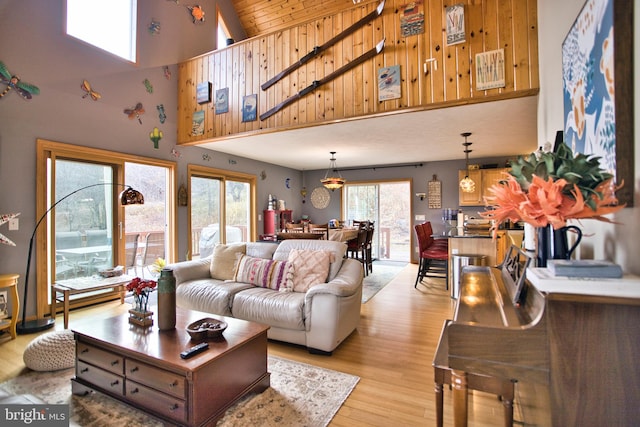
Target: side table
(77,286)
(10,281)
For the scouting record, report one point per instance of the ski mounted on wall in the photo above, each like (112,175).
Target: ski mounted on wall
(319,49)
(317,83)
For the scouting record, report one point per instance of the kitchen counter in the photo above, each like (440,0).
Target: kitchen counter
(458,233)
(476,242)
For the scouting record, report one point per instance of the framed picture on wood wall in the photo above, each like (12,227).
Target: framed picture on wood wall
(203,92)
(597,82)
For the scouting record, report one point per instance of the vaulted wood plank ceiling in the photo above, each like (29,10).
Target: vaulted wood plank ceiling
(265,16)
(437,134)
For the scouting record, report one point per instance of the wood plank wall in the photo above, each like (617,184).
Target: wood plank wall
(244,66)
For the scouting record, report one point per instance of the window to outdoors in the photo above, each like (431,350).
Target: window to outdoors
(107,24)
(222,209)
(388,205)
(223,33)
(90,231)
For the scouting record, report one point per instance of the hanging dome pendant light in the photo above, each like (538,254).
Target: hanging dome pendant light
(331,181)
(467,185)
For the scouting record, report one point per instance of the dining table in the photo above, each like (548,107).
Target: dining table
(343,234)
(296,235)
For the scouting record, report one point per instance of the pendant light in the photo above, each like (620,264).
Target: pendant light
(331,181)
(467,185)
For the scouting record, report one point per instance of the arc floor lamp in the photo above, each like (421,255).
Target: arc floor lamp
(129,196)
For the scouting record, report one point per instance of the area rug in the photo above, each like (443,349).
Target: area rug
(383,273)
(300,395)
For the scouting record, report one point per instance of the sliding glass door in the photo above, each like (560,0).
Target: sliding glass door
(83,226)
(222,206)
(89,230)
(388,204)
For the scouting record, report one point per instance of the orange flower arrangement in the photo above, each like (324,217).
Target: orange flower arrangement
(552,188)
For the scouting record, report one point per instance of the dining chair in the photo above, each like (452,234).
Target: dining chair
(368,247)
(320,229)
(131,251)
(291,227)
(434,254)
(153,249)
(356,249)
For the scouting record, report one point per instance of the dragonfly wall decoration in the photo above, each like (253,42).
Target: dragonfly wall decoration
(135,112)
(26,90)
(89,92)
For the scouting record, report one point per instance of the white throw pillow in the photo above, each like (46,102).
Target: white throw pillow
(309,268)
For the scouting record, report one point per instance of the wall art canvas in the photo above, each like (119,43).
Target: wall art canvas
(222,100)
(455,24)
(412,19)
(598,119)
(249,108)
(197,123)
(203,92)
(389,83)
(490,69)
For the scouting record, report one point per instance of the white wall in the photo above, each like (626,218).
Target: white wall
(619,243)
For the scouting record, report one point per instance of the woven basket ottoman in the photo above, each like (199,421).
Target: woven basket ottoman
(51,351)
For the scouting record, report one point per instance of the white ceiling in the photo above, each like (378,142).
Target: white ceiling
(499,128)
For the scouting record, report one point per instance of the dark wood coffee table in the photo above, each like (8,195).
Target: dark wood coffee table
(142,367)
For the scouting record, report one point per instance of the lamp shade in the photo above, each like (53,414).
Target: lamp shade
(332,179)
(466,184)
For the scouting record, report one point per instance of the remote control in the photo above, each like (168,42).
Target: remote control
(194,350)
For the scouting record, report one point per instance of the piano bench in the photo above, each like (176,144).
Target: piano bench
(464,381)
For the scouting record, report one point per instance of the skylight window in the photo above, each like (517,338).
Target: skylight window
(107,24)
(223,33)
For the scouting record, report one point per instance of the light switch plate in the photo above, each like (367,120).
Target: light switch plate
(420,217)
(14,224)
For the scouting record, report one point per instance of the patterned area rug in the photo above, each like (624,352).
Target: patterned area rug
(383,273)
(300,395)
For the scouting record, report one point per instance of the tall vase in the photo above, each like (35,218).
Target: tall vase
(553,244)
(166,300)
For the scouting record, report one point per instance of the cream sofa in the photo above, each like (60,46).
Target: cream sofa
(319,318)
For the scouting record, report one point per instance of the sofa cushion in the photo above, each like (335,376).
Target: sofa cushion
(261,249)
(223,261)
(309,268)
(277,309)
(338,249)
(266,273)
(209,295)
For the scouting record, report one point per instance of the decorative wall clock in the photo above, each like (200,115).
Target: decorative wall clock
(320,197)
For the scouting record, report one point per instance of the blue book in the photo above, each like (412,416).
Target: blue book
(584,268)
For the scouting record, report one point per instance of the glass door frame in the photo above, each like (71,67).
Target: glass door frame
(224,176)
(49,150)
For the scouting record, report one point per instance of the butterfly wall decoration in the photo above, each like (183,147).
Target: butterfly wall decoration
(135,112)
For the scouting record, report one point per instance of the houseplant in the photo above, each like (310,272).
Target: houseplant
(141,288)
(549,188)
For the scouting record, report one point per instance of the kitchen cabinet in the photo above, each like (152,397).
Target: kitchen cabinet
(484,179)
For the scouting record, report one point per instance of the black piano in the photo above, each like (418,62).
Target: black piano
(570,346)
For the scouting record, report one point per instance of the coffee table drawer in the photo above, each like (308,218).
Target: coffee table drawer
(98,357)
(166,382)
(155,401)
(100,378)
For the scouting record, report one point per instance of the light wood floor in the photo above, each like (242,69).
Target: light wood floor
(391,352)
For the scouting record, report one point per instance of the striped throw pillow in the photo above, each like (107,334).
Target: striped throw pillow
(266,273)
